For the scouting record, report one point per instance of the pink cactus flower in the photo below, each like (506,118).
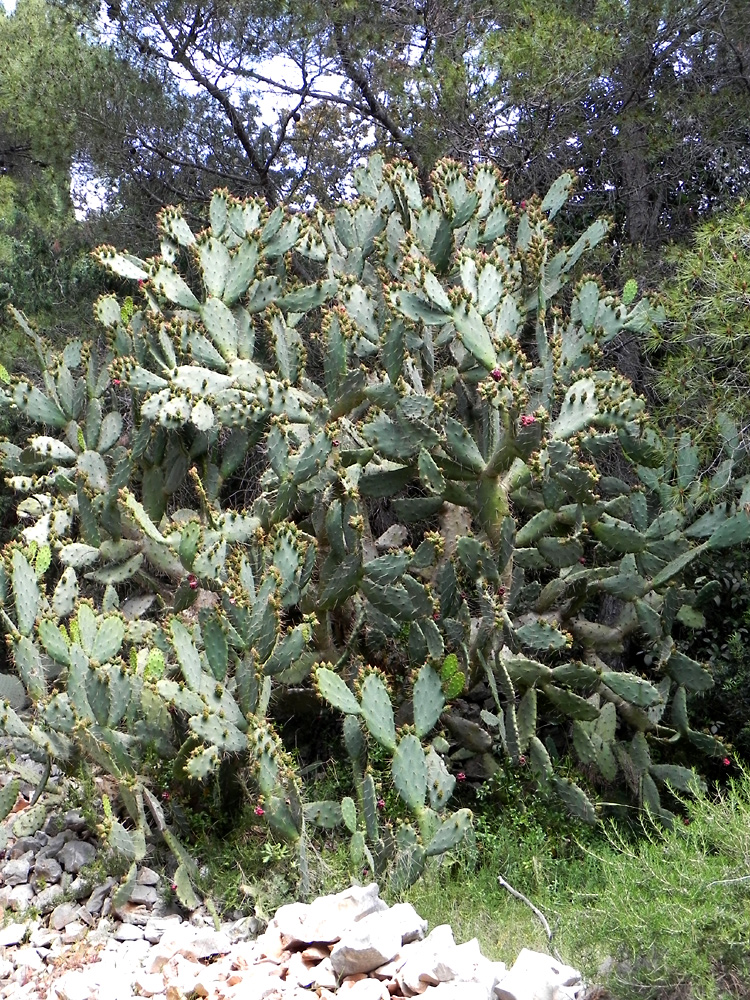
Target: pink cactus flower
(193,581)
(527,419)
(496,374)
(460,776)
(260,811)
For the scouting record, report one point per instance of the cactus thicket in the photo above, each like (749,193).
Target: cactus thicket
(434,361)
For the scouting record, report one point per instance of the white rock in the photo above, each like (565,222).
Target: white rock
(408,921)
(325,919)
(20,897)
(155,928)
(535,976)
(128,932)
(48,898)
(206,943)
(73,932)
(132,954)
(300,972)
(422,957)
(100,893)
(368,989)
(325,977)
(102,932)
(440,938)
(149,984)
(147,876)
(75,854)
(132,913)
(16,872)
(457,991)
(6,968)
(28,958)
(366,944)
(74,985)
(13,934)
(144,894)
(63,914)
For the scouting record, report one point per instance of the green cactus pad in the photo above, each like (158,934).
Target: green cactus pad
(387,569)
(526,719)
(8,797)
(462,446)
(428,700)
(349,814)
(12,691)
(334,690)
(29,665)
(679,711)
(450,834)
(287,650)
(183,888)
(409,769)
(619,535)
(571,704)
(689,673)
(370,807)
(342,582)
(575,800)
(109,637)
(632,688)
(36,406)
(440,782)
(707,744)
(354,740)
(541,635)
(377,711)
(216,647)
(30,820)
(219,732)
(54,641)
(187,655)
(26,592)
(734,531)
(684,779)
(576,675)
(324,814)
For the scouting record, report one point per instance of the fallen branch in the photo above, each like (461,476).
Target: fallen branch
(535,910)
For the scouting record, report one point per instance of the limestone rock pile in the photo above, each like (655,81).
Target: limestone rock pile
(350,945)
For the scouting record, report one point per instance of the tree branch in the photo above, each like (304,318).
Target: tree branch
(377,110)
(224,101)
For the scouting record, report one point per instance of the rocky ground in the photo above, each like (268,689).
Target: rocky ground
(68,934)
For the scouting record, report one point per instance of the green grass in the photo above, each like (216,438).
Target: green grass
(672,908)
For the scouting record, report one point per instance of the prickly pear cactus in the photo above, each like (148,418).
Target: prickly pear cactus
(418,773)
(427,366)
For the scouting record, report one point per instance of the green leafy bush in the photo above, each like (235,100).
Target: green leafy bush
(400,363)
